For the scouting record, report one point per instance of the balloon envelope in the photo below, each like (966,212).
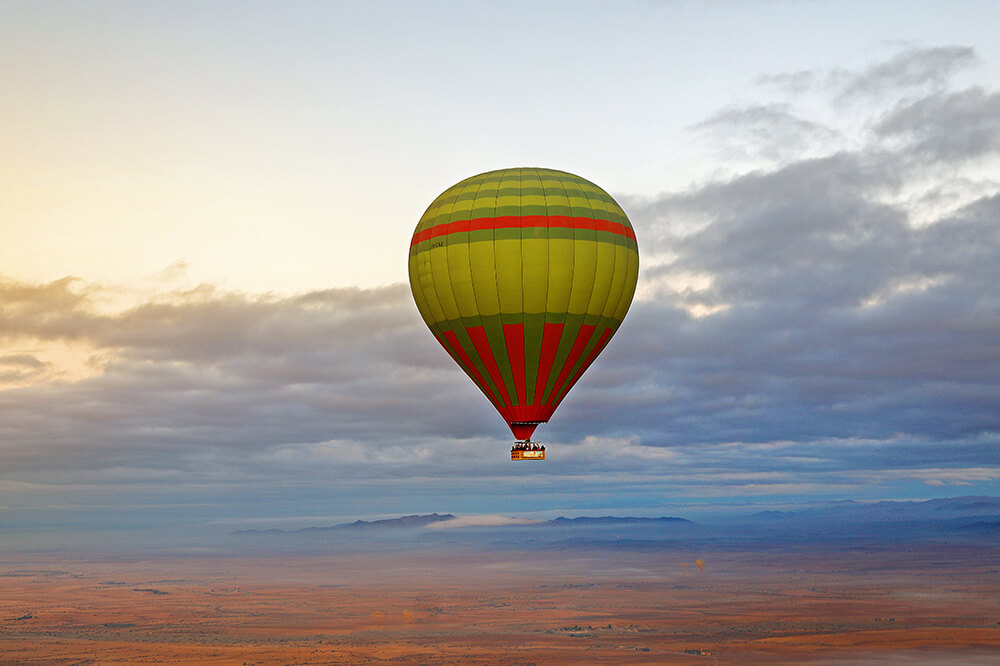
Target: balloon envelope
(523,276)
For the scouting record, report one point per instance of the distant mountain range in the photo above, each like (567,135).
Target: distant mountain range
(950,507)
(951,520)
(426,519)
(402,521)
(614,520)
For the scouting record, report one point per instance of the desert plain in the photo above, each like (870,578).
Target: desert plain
(937,604)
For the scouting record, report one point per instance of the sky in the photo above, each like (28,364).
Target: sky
(205,209)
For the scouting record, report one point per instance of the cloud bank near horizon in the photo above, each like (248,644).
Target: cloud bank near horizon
(483,520)
(822,321)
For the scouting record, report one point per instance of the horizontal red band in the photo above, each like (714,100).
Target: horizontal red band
(522,222)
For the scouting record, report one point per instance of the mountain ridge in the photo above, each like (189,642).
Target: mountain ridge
(893,520)
(422,520)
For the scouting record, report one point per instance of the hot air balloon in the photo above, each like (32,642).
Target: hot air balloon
(523,276)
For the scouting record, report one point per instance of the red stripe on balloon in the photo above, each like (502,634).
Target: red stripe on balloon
(598,348)
(482,345)
(582,338)
(522,222)
(550,344)
(508,414)
(514,336)
(458,353)
(534,414)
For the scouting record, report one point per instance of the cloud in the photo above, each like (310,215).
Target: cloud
(480,521)
(816,325)
(771,132)
(20,368)
(912,68)
(205,381)
(794,83)
(956,476)
(947,126)
(825,309)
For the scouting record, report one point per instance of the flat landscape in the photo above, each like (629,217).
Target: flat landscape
(937,604)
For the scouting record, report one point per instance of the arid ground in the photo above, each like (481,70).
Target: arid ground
(935,604)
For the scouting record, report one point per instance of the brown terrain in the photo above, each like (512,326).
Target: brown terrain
(928,605)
